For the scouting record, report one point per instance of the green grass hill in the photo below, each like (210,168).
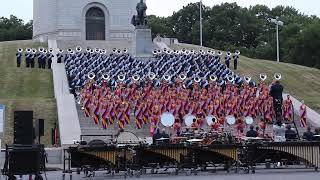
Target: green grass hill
(25,89)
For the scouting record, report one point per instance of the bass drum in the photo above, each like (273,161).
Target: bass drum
(249,120)
(127,138)
(188,119)
(231,120)
(167,119)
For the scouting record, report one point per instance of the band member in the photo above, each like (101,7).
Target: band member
(32,57)
(27,55)
(227,59)
(235,61)
(276,93)
(303,114)
(59,56)
(50,56)
(19,55)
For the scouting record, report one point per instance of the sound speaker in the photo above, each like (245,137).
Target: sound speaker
(23,127)
(40,127)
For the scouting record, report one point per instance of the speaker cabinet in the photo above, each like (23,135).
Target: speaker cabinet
(23,127)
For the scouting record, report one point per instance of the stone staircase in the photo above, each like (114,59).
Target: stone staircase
(89,128)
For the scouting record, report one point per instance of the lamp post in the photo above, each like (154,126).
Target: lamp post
(201,23)
(278,23)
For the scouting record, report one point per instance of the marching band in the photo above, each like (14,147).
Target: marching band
(43,56)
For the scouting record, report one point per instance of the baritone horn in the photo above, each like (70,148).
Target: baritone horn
(183,77)
(91,76)
(247,79)
(136,77)
(263,77)
(277,76)
(106,77)
(213,78)
(151,76)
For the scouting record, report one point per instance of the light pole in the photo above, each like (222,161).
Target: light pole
(201,23)
(278,23)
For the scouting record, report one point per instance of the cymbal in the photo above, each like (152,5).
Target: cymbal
(195,140)
(161,139)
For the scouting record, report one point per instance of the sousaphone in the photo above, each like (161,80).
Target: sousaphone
(167,119)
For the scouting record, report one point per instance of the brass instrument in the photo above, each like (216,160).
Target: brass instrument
(78,49)
(247,79)
(277,76)
(263,77)
(121,77)
(91,76)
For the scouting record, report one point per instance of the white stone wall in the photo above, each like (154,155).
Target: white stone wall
(66,18)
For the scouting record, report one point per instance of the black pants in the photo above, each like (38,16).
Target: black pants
(277,106)
(18,63)
(32,63)
(235,65)
(228,64)
(59,60)
(43,64)
(27,63)
(39,63)
(49,64)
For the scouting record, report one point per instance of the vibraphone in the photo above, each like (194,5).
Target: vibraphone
(138,159)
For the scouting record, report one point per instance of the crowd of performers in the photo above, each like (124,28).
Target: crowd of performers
(42,56)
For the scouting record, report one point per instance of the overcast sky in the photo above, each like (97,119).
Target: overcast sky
(23,8)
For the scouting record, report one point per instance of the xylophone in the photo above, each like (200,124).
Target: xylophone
(137,159)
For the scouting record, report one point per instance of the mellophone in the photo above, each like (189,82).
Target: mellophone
(242,156)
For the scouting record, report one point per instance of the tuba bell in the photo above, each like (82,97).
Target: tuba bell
(213,78)
(220,53)
(91,76)
(183,77)
(247,79)
(69,50)
(167,78)
(88,50)
(230,79)
(20,50)
(50,50)
(34,51)
(136,77)
(106,77)
(78,49)
(263,77)
(61,51)
(155,52)
(197,79)
(151,76)
(119,51)
(28,50)
(277,76)
(40,49)
(121,77)
(237,52)
(97,50)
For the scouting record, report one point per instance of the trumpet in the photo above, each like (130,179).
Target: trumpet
(197,79)
(20,50)
(263,77)
(277,76)
(247,79)
(151,76)
(136,77)
(106,77)
(183,77)
(91,76)
(121,77)
(78,49)
(213,78)
(167,78)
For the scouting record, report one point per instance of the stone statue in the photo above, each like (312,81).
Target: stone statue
(139,20)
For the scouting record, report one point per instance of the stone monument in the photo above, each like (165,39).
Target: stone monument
(142,35)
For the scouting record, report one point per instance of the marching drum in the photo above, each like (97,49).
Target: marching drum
(211,119)
(188,119)
(249,120)
(167,119)
(231,120)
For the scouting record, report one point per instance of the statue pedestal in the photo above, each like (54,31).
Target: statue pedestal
(144,45)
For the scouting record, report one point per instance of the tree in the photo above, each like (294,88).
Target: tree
(14,28)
